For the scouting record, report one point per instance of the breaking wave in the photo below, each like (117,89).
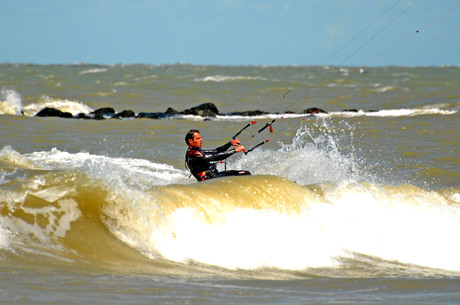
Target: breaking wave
(224,78)
(292,214)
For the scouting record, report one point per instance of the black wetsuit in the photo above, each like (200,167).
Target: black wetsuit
(201,162)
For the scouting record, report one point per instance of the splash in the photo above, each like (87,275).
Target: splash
(64,105)
(11,156)
(316,151)
(134,172)
(4,238)
(10,102)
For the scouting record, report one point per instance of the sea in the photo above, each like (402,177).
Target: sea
(356,204)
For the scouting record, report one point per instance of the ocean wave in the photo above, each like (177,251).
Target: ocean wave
(224,78)
(132,171)
(385,89)
(267,221)
(11,156)
(65,105)
(395,112)
(432,110)
(92,71)
(66,209)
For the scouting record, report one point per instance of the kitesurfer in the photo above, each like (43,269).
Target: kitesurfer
(201,163)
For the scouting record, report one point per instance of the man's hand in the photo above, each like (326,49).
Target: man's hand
(236,142)
(240,148)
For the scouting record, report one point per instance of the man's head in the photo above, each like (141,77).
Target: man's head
(193,139)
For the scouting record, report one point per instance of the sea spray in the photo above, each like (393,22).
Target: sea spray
(318,153)
(10,102)
(65,105)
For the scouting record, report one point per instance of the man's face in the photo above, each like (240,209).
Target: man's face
(197,141)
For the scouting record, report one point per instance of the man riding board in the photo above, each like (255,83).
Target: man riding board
(201,163)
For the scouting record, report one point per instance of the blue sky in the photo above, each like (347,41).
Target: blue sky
(231,32)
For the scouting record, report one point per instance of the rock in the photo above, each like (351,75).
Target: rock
(125,114)
(150,115)
(107,111)
(82,116)
(98,117)
(206,109)
(172,111)
(101,113)
(248,113)
(314,110)
(51,112)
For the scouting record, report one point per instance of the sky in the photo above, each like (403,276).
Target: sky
(231,32)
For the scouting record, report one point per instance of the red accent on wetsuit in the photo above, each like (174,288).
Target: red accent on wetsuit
(200,164)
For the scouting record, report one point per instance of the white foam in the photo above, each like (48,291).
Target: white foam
(380,113)
(92,71)
(385,89)
(74,107)
(455,198)
(245,238)
(10,102)
(138,172)
(4,238)
(410,112)
(59,217)
(396,112)
(240,118)
(409,226)
(224,78)
(8,154)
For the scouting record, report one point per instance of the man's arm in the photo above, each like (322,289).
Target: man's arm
(224,147)
(222,152)
(214,155)
(234,142)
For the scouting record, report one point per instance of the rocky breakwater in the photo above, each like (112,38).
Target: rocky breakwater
(206,110)
(99,114)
